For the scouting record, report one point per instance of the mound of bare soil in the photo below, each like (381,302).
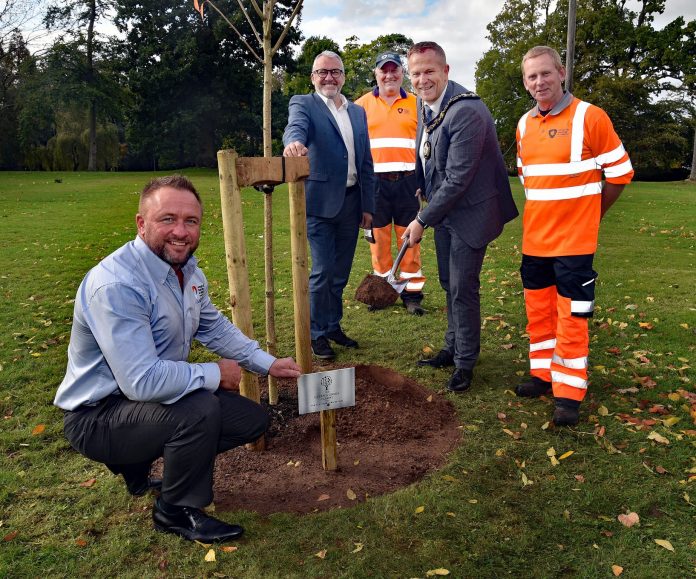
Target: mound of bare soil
(397,432)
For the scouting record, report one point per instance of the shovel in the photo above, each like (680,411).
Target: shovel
(379,292)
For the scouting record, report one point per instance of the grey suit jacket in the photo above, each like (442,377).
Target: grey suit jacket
(311,123)
(470,187)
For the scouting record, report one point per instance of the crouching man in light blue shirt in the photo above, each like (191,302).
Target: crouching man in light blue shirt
(129,393)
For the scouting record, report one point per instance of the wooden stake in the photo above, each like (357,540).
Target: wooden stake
(300,275)
(303,340)
(329,453)
(235,251)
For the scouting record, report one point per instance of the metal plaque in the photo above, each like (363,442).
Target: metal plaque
(326,390)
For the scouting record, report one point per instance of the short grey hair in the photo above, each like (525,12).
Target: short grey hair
(329,54)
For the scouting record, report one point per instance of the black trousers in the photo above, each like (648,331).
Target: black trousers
(128,436)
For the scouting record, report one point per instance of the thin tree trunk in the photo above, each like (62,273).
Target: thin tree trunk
(92,161)
(271,340)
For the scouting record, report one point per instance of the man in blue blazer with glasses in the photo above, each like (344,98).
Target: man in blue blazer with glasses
(340,192)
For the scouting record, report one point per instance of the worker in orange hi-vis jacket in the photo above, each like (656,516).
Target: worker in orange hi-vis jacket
(391,123)
(563,147)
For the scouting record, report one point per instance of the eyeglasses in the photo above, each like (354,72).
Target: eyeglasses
(324,72)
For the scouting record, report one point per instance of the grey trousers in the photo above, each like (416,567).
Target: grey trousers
(128,436)
(459,268)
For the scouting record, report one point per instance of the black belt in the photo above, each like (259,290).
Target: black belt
(395,175)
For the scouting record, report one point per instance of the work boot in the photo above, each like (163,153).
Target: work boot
(567,412)
(414,308)
(533,388)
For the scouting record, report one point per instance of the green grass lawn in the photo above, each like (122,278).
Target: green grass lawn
(498,508)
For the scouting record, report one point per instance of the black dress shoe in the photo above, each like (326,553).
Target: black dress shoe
(533,388)
(439,360)
(193,524)
(322,349)
(460,380)
(341,339)
(139,487)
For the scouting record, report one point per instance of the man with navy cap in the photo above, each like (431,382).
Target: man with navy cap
(392,123)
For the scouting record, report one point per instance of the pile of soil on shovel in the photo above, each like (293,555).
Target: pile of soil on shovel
(397,432)
(376,291)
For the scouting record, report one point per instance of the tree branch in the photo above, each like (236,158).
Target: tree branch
(246,15)
(241,37)
(288,24)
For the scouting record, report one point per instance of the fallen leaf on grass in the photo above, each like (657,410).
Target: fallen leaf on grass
(545,425)
(419,510)
(579,478)
(7,538)
(358,547)
(323,497)
(629,519)
(515,435)
(228,549)
(448,478)
(210,556)
(603,411)
(429,398)
(80,542)
(661,469)
(671,421)
(566,455)
(321,554)
(38,429)
(427,350)
(88,483)
(658,438)
(616,570)
(665,544)
(439,572)
(525,481)
(351,495)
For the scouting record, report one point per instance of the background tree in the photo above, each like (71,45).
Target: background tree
(298,79)
(13,60)
(78,18)
(622,64)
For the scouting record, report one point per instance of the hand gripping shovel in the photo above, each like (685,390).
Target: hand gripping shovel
(379,292)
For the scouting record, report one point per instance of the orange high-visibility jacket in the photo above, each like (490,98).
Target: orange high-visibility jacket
(560,160)
(392,131)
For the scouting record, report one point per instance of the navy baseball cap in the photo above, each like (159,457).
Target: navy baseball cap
(385,57)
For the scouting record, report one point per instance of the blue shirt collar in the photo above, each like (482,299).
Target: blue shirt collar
(159,268)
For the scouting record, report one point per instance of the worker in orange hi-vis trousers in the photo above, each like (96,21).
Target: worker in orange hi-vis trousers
(391,124)
(563,147)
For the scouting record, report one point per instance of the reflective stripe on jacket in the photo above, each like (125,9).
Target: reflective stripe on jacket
(392,131)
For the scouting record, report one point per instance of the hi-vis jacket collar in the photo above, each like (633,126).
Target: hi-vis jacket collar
(561,105)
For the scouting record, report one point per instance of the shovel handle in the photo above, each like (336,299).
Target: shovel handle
(399,257)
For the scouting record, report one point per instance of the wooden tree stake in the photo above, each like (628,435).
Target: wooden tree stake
(235,251)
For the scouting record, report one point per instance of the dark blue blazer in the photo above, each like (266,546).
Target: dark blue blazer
(470,187)
(311,123)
